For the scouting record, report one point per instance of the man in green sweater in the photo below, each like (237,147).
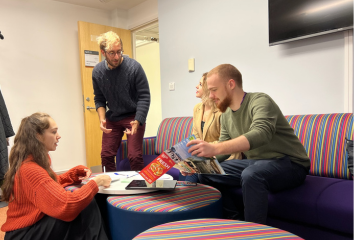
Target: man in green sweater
(251,123)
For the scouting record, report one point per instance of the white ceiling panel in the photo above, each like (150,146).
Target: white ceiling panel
(104,4)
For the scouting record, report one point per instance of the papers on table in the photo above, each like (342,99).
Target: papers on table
(160,178)
(114,176)
(124,176)
(128,174)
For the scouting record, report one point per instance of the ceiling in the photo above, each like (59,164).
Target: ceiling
(149,34)
(105,4)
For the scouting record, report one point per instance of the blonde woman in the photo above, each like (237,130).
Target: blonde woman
(206,116)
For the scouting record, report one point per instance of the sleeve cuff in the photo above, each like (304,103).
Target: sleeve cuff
(141,119)
(98,105)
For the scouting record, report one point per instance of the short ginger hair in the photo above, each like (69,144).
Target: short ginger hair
(227,72)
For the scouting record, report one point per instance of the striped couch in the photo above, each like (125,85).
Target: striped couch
(170,132)
(321,208)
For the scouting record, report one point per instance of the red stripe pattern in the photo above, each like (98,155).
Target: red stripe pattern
(211,229)
(323,136)
(148,147)
(171,131)
(183,198)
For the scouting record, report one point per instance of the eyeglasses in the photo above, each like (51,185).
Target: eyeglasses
(113,54)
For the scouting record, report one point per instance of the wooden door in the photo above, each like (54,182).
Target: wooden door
(88,32)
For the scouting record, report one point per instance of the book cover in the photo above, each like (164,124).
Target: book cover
(179,157)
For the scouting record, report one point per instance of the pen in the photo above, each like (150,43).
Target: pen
(132,175)
(104,169)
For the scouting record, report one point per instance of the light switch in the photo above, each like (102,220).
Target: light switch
(191,64)
(171,86)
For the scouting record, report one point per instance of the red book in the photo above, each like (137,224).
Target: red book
(157,168)
(179,157)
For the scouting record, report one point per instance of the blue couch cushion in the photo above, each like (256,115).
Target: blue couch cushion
(300,203)
(335,207)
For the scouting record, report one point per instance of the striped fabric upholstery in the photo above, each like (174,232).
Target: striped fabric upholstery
(148,147)
(211,228)
(171,131)
(323,136)
(72,188)
(183,198)
(123,150)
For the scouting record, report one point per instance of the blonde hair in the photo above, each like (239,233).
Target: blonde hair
(108,40)
(227,72)
(205,97)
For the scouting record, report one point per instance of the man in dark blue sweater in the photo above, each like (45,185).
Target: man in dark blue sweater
(120,83)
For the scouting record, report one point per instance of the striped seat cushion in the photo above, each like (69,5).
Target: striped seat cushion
(323,136)
(171,131)
(183,198)
(148,147)
(209,228)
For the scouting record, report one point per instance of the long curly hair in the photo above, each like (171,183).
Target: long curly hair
(26,143)
(206,92)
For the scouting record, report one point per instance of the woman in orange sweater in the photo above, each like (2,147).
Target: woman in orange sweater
(39,206)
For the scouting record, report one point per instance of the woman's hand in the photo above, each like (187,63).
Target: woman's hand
(88,174)
(103,180)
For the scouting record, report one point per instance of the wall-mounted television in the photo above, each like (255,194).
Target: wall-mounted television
(291,20)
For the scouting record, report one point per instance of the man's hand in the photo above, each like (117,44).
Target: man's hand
(103,127)
(186,173)
(135,125)
(202,149)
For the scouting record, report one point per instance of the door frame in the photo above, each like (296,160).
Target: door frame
(137,29)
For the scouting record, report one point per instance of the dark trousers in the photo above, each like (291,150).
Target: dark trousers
(257,178)
(87,225)
(192,178)
(111,142)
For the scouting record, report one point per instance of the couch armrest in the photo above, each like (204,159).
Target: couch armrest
(148,148)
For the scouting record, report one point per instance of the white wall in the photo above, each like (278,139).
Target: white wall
(149,57)
(303,77)
(119,18)
(40,71)
(142,14)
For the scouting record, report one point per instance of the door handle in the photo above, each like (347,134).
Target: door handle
(89,108)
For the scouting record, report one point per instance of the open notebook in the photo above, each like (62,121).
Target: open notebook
(114,177)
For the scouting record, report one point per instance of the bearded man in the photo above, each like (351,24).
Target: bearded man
(251,123)
(120,84)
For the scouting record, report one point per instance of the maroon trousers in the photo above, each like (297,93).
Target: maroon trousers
(111,142)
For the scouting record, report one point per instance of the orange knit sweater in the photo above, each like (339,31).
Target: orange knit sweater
(38,195)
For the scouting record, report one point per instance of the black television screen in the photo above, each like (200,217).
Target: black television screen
(290,20)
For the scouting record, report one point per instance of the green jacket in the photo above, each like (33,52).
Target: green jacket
(261,121)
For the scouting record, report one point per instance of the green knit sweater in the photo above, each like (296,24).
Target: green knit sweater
(261,121)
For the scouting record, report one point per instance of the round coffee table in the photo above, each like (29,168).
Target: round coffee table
(118,187)
(132,214)
(212,228)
